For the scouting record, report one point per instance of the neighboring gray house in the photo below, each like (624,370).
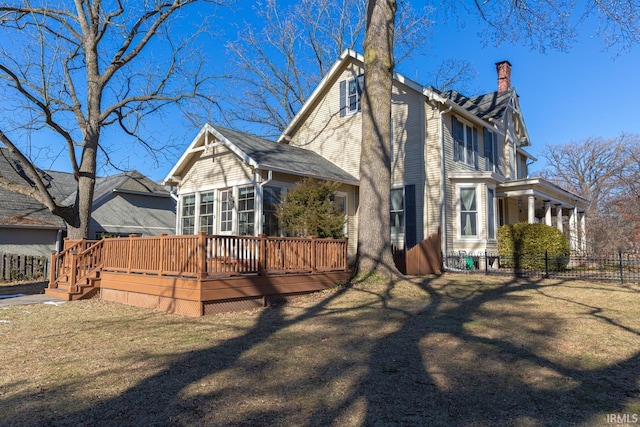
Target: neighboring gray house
(126,203)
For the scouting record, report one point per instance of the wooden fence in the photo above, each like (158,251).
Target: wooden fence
(23,267)
(424,258)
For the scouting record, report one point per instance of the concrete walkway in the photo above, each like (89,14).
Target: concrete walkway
(19,299)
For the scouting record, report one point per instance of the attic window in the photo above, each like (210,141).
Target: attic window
(350,92)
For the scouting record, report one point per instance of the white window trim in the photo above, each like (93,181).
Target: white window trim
(347,105)
(480,228)
(345,228)
(399,239)
(495,216)
(476,154)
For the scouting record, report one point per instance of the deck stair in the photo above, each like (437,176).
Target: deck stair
(75,272)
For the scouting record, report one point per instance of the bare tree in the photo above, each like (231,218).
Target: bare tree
(540,24)
(600,170)
(607,172)
(74,69)
(278,65)
(374,235)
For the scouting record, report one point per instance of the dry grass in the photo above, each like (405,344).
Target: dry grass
(452,350)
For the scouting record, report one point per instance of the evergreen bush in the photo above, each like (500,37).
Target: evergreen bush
(308,210)
(524,245)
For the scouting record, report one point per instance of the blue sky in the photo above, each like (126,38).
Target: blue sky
(565,97)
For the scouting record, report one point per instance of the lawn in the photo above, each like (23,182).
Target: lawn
(455,350)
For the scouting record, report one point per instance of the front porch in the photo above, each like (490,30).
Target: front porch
(538,200)
(195,275)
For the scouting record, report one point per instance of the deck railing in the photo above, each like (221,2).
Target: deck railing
(199,256)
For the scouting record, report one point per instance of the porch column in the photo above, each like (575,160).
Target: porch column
(573,229)
(583,231)
(559,217)
(547,212)
(531,209)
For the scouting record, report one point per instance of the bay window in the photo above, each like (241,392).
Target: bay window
(468,212)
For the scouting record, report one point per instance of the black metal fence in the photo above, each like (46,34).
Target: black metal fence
(23,267)
(620,267)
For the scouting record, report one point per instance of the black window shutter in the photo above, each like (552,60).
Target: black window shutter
(488,157)
(343,98)
(410,235)
(360,89)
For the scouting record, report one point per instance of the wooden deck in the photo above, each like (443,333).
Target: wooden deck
(195,275)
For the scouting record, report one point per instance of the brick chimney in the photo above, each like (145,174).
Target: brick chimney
(504,76)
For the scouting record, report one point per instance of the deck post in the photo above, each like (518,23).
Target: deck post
(53,268)
(202,255)
(262,254)
(314,263)
(162,243)
(345,253)
(73,274)
(130,253)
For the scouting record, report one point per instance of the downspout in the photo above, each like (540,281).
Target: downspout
(261,204)
(443,226)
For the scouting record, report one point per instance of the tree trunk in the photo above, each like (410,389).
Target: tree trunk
(374,234)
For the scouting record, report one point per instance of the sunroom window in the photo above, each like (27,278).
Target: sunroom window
(188,214)
(246,213)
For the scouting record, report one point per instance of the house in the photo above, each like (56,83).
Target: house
(459,166)
(125,203)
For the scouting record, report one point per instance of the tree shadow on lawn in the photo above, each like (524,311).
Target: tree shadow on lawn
(444,363)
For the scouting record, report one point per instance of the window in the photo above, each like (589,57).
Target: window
(468,212)
(272,199)
(465,143)
(491,217)
(490,150)
(226,211)
(206,212)
(350,92)
(188,214)
(397,215)
(340,202)
(246,213)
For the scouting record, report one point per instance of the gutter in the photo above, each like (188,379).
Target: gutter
(442,186)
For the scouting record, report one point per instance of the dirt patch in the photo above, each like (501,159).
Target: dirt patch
(440,351)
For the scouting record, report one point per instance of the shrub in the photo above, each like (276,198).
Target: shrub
(308,210)
(524,245)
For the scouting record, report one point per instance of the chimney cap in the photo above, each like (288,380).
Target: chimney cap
(503,62)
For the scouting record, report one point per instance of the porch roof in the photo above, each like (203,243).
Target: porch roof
(542,189)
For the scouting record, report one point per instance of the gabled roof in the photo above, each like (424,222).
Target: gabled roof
(260,154)
(484,109)
(125,182)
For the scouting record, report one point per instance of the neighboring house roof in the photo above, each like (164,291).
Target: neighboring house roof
(263,154)
(126,182)
(486,108)
(20,210)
